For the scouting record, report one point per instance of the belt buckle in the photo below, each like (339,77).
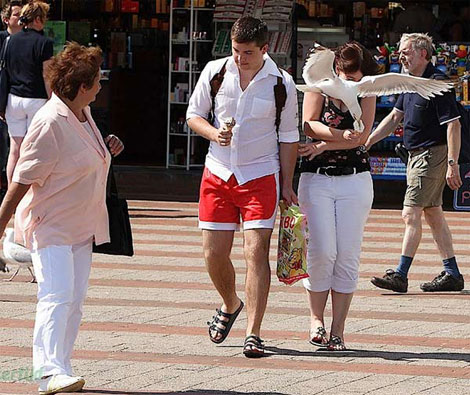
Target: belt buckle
(326,170)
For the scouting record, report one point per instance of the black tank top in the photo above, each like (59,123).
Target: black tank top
(358,157)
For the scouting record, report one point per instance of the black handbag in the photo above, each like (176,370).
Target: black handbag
(119,224)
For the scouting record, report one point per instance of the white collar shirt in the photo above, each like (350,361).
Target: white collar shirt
(254,150)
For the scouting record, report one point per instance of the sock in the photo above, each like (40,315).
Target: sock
(450,266)
(404,266)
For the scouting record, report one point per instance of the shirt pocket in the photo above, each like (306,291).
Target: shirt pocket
(262,108)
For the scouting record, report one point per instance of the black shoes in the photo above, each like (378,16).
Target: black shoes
(392,281)
(444,282)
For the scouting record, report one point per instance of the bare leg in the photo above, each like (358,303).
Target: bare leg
(15,144)
(317,303)
(258,276)
(217,246)
(413,230)
(440,231)
(340,306)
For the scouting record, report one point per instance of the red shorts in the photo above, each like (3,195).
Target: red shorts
(222,203)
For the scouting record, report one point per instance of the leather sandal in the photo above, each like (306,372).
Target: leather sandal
(253,347)
(336,344)
(214,325)
(318,337)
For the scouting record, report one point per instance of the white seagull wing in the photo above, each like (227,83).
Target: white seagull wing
(391,83)
(319,65)
(306,88)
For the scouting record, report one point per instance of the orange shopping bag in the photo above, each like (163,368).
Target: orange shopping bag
(292,248)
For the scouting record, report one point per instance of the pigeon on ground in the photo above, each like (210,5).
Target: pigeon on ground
(18,254)
(320,76)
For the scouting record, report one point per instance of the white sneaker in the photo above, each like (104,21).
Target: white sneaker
(60,383)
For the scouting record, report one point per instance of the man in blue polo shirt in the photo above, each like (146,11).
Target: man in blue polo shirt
(432,137)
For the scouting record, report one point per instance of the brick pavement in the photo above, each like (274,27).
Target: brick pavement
(144,328)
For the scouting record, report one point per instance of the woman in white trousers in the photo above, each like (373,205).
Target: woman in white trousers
(59,190)
(336,193)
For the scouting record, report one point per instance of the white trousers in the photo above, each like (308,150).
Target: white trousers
(20,112)
(62,274)
(337,209)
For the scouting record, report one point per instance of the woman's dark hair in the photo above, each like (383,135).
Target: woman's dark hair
(353,56)
(72,67)
(32,10)
(248,29)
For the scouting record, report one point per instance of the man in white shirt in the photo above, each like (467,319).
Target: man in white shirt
(241,177)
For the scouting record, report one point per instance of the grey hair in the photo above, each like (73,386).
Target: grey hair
(419,41)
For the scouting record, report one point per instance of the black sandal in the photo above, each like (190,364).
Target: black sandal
(227,325)
(336,344)
(253,347)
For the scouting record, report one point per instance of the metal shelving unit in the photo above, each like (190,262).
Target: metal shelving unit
(176,106)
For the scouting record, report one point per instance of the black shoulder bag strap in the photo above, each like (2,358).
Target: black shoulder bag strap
(216,83)
(280,97)
(3,53)
(4,78)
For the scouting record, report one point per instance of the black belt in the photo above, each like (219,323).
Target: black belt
(333,171)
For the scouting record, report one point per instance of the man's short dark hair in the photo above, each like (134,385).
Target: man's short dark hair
(248,29)
(8,8)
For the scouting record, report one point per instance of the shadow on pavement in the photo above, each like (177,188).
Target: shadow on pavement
(190,392)
(387,355)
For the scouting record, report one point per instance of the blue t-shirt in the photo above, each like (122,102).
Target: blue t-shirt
(25,53)
(425,121)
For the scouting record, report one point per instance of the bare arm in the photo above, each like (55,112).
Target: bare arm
(203,128)
(311,113)
(288,159)
(453,150)
(368,115)
(14,195)
(45,65)
(387,126)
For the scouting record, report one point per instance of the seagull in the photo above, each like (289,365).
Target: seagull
(320,76)
(18,254)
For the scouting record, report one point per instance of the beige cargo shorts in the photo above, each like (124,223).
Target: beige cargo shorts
(426,176)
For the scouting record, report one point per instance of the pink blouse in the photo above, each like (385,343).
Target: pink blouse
(67,169)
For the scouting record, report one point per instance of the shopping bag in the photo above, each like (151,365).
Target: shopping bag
(120,231)
(292,248)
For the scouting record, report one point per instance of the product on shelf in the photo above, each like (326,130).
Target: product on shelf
(388,166)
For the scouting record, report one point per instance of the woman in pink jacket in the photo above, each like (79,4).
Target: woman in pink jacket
(59,187)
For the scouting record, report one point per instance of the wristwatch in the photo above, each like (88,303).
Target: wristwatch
(451,162)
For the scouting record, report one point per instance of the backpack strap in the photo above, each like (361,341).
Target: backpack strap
(280,97)
(216,83)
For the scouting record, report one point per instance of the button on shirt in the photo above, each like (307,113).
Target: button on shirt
(253,151)
(67,169)
(425,121)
